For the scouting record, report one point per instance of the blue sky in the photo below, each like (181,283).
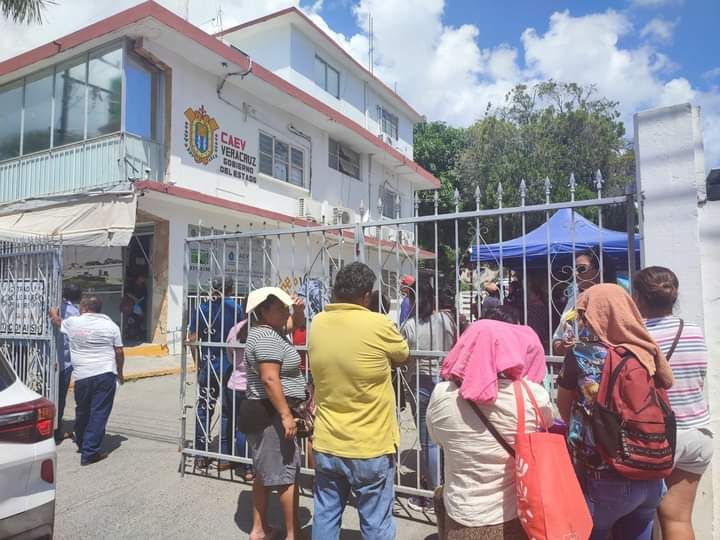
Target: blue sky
(451,59)
(696,24)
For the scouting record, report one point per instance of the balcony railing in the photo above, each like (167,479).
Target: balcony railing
(75,167)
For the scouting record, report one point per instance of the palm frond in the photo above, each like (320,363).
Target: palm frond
(24,11)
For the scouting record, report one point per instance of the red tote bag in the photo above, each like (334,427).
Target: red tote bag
(550,503)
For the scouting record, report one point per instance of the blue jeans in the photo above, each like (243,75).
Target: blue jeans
(63,385)
(240,439)
(94,400)
(619,505)
(371,480)
(213,375)
(430,453)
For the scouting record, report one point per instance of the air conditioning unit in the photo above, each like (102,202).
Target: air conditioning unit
(407,238)
(310,209)
(389,234)
(342,216)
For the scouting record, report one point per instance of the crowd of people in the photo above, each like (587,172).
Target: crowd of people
(341,399)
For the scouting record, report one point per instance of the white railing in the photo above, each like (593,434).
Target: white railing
(104,160)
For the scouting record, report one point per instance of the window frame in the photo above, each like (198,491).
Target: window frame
(382,114)
(289,163)
(127,56)
(385,192)
(327,66)
(341,146)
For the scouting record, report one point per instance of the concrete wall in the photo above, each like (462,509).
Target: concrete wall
(193,87)
(682,232)
(358,101)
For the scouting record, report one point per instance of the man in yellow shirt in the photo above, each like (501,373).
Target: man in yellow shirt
(351,352)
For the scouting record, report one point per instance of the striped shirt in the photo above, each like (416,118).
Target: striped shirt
(265,345)
(689,366)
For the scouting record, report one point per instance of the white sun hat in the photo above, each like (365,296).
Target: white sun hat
(258,296)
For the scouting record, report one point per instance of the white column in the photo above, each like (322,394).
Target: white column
(681,234)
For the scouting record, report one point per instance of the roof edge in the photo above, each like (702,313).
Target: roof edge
(335,44)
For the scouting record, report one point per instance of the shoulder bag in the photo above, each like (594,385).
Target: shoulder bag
(550,503)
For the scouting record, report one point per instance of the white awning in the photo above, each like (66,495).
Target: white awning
(101,217)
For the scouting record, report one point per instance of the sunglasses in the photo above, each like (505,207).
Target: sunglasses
(582,268)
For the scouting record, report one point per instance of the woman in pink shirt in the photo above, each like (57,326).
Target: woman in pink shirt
(238,384)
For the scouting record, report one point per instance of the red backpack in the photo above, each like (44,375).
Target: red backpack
(633,423)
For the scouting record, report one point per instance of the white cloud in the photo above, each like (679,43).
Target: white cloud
(441,69)
(659,30)
(711,74)
(654,3)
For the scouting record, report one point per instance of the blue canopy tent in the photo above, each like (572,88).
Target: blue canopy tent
(556,238)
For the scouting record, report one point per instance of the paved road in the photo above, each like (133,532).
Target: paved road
(138,493)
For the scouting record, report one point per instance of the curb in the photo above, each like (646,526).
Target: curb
(130,377)
(148,349)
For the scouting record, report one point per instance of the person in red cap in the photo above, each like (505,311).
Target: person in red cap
(407,289)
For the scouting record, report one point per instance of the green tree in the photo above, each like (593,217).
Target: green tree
(549,130)
(24,11)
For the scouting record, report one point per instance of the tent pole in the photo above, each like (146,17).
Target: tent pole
(630,226)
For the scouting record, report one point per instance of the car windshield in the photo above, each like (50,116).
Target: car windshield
(7,375)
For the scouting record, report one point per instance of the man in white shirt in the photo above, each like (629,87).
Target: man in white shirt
(97,360)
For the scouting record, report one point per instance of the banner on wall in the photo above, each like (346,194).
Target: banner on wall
(211,146)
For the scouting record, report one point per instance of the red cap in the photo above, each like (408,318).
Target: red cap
(407,281)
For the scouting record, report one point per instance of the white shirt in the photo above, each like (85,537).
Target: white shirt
(93,338)
(479,485)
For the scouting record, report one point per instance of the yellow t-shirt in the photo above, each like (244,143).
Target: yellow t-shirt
(350,352)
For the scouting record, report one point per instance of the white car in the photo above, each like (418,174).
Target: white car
(27,460)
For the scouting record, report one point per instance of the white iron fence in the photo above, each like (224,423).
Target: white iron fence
(526,262)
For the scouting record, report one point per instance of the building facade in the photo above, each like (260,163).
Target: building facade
(270,124)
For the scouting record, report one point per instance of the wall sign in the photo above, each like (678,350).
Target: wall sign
(203,137)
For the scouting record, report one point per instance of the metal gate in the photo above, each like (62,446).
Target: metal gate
(30,284)
(526,251)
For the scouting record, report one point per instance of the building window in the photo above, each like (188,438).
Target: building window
(104,93)
(388,123)
(343,159)
(85,94)
(327,77)
(281,160)
(390,203)
(11,98)
(141,100)
(70,87)
(38,106)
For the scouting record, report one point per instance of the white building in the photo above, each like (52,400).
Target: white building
(270,124)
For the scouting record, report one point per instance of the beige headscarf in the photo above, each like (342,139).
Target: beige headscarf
(616,321)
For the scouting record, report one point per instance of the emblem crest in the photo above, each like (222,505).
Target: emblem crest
(200,135)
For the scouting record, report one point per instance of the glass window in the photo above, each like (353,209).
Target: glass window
(296,167)
(388,123)
(69,124)
(139,101)
(389,203)
(10,117)
(104,93)
(281,160)
(38,113)
(320,72)
(344,159)
(333,82)
(280,169)
(327,77)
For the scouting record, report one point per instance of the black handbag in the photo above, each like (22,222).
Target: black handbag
(255,415)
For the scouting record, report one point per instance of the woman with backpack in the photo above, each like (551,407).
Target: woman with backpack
(655,290)
(426,330)
(620,473)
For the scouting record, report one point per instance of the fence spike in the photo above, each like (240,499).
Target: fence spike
(397,206)
(523,191)
(599,181)
(573,185)
(436,201)
(362,209)
(380,206)
(477,197)
(500,194)
(416,203)
(456,199)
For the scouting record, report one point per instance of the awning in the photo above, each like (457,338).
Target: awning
(98,217)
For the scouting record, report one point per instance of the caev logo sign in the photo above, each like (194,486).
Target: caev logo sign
(201,138)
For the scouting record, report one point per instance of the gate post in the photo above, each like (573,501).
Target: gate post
(670,182)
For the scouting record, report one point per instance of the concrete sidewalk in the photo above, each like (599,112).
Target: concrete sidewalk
(142,367)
